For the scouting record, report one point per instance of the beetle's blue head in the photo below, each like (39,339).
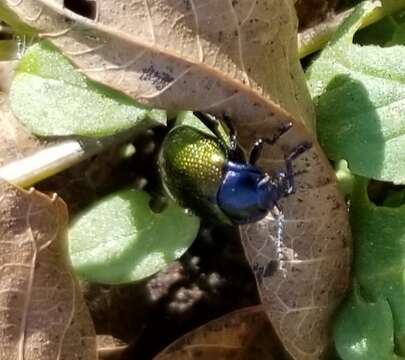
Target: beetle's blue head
(246,193)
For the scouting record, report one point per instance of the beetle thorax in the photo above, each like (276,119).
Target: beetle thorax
(246,194)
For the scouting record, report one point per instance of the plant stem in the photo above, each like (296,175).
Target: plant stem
(315,38)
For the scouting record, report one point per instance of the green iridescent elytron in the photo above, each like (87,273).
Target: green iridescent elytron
(191,165)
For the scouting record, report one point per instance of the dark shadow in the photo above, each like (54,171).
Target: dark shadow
(221,253)
(349,127)
(383,193)
(85,8)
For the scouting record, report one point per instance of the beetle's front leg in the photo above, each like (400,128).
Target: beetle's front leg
(257,148)
(287,178)
(212,123)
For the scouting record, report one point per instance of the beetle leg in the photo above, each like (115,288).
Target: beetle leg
(287,177)
(256,151)
(232,133)
(211,122)
(298,150)
(257,148)
(235,153)
(279,132)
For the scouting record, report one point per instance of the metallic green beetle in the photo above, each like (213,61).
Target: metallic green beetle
(212,178)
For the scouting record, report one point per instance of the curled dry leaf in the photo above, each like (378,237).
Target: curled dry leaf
(241,335)
(43,315)
(237,58)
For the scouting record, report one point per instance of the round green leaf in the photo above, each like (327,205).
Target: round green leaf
(52,98)
(379,255)
(364,331)
(120,239)
(359,96)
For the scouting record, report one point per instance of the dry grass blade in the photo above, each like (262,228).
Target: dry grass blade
(43,315)
(237,58)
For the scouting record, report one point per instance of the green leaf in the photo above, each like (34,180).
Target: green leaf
(391,5)
(120,239)
(52,98)
(389,31)
(364,331)
(9,17)
(379,254)
(359,94)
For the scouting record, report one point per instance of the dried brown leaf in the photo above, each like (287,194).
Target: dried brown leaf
(208,55)
(15,140)
(109,347)
(238,58)
(43,315)
(241,335)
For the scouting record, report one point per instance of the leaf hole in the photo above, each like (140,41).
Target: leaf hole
(386,194)
(85,8)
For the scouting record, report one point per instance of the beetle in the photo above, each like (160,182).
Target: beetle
(206,174)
